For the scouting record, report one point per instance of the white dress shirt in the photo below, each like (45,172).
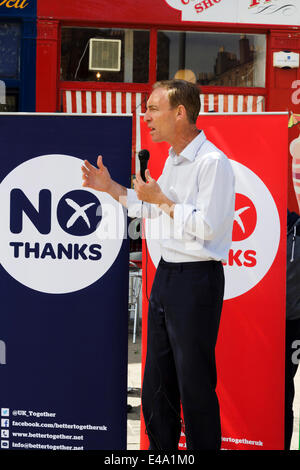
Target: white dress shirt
(200,181)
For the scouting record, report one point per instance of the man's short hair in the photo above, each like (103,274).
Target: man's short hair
(184,93)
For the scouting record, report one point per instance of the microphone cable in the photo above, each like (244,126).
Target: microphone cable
(146,249)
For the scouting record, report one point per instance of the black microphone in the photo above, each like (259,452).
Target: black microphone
(144,156)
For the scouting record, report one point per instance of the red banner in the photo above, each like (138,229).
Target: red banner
(250,348)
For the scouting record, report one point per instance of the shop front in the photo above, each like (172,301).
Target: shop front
(103,57)
(18,55)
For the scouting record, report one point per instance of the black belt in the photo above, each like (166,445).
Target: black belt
(186,265)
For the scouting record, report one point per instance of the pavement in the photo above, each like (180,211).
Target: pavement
(295,439)
(134,396)
(134,391)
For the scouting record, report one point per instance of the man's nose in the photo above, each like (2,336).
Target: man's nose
(146,116)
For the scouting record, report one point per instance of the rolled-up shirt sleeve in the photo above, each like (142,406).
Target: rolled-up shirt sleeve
(212,212)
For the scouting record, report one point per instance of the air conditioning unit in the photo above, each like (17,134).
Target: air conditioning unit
(105,54)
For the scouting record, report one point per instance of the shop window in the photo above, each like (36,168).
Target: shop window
(217,59)
(10,44)
(105,55)
(9,101)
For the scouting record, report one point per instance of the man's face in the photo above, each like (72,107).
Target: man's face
(159,116)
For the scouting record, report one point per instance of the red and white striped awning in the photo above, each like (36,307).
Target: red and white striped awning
(232,103)
(122,102)
(118,102)
(106,102)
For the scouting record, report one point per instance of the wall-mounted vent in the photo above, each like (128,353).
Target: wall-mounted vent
(105,54)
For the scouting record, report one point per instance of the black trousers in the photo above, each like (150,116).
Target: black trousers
(291,365)
(183,321)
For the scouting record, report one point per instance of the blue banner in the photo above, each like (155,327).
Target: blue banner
(18,8)
(63,283)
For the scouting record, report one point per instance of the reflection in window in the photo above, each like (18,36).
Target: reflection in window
(219,59)
(10,41)
(10,103)
(85,60)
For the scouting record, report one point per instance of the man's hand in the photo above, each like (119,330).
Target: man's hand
(96,178)
(99,179)
(151,192)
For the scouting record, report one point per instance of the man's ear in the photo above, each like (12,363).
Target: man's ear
(181,111)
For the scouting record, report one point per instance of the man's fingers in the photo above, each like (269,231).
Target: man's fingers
(88,165)
(147,175)
(85,181)
(138,177)
(84,176)
(100,162)
(85,171)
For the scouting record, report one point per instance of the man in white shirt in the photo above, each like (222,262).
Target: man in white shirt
(195,198)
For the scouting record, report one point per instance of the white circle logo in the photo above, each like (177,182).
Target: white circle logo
(56,236)
(255,238)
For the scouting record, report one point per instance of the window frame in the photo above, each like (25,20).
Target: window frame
(236,33)
(94,85)
(13,85)
(153,29)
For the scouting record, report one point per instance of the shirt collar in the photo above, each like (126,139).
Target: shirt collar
(190,151)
